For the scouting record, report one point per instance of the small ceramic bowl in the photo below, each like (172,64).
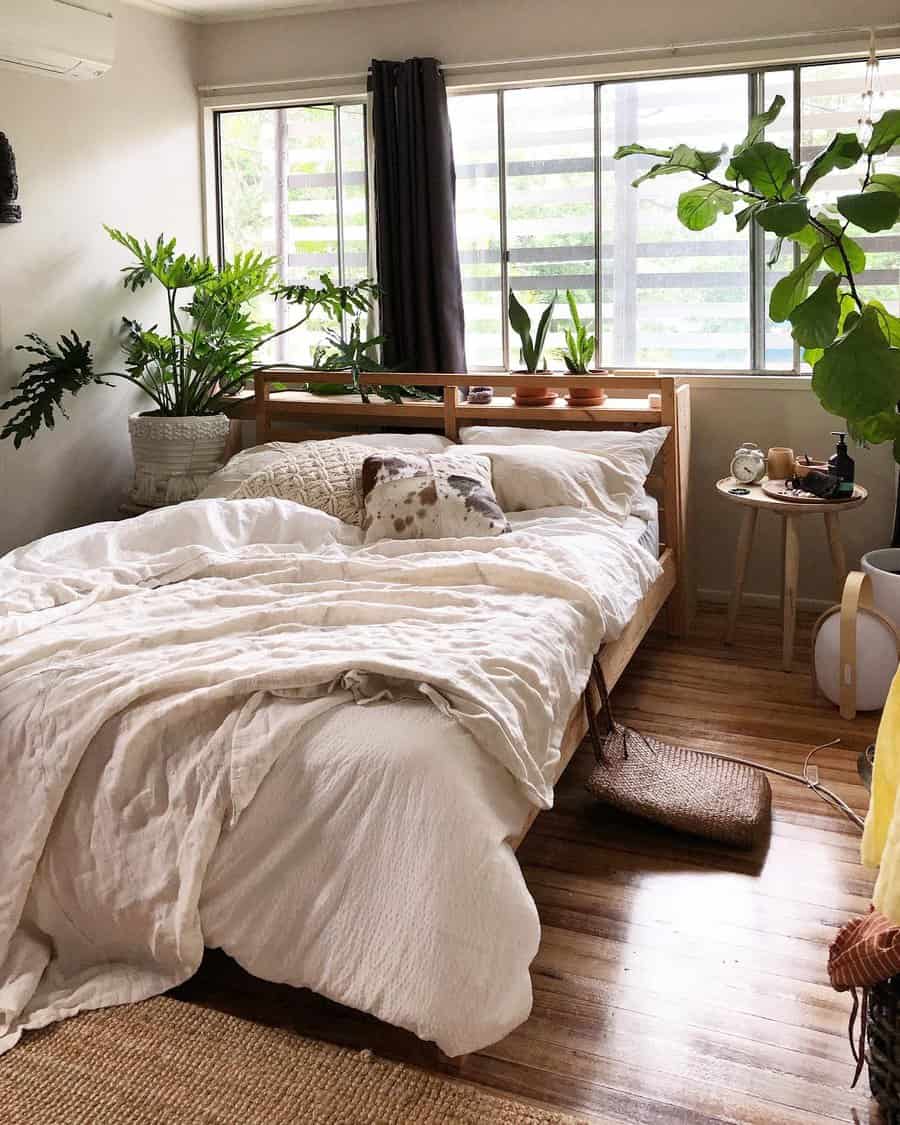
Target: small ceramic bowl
(801,468)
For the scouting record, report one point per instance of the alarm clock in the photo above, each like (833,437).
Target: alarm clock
(748,465)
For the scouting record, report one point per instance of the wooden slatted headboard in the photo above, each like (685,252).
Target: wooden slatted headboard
(295,415)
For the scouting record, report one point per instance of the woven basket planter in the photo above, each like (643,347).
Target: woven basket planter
(175,457)
(883,1034)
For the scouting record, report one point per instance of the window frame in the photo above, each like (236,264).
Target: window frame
(215,107)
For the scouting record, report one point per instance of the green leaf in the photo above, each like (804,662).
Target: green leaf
(784,218)
(701,206)
(641,150)
(889,324)
(815,320)
(766,167)
(743,217)
(61,369)
(519,318)
(883,426)
(683,159)
(885,181)
(885,133)
(543,327)
(859,374)
(791,290)
(758,123)
(872,210)
(855,253)
(843,152)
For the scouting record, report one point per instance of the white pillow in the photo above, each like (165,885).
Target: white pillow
(249,461)
(533,476)
(634,451)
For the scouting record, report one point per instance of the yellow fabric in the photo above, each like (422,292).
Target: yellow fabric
(881,836)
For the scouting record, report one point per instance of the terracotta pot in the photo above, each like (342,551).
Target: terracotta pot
(175,457)
(530,393)
(587,396)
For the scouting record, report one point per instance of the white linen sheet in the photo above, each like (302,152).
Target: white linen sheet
(184,761)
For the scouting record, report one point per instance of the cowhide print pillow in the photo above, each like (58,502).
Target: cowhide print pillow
(417,496)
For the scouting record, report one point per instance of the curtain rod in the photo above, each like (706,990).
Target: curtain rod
(673,50)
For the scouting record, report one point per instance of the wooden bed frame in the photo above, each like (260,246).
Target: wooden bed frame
(296,415)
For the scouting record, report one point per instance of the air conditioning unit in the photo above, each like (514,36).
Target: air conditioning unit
(59,38)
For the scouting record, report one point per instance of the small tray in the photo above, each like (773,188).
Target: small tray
(779,490)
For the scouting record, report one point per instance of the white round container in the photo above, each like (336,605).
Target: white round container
(883,569)
(175,457)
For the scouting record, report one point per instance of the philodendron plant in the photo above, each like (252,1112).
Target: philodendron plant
(532,350)
(206,351)
(852,344)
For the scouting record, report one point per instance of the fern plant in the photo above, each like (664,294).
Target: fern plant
(578,353)
(206,351)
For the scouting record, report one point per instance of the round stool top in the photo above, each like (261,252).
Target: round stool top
(756,498)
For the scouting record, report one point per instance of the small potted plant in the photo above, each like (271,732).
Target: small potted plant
(205,354)
(531,352)
(577,356)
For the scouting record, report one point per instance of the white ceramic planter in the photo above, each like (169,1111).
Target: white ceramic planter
(175,457)
(883,568)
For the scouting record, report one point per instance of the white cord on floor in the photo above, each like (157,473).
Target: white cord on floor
(809,778)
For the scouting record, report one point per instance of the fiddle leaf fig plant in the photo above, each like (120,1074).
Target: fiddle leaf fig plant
(852,344)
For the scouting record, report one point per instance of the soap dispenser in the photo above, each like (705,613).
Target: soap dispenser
(842,465)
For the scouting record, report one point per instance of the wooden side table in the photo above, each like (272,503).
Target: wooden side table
(790,512)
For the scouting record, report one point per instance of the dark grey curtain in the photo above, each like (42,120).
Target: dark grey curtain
(415,218)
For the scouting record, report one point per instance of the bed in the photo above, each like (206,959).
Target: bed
(182,697)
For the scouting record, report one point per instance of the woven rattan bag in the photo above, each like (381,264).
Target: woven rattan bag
(684,789)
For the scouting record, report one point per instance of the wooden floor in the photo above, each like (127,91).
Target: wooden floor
(677,982)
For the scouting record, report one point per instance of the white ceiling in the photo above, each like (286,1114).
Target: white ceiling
(209,11)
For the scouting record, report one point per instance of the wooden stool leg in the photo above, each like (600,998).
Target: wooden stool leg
(745,542)
(836,546)
(791,579)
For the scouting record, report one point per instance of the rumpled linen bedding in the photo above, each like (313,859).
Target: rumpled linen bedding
(231,724)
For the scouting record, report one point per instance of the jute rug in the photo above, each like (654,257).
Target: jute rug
(164,1062)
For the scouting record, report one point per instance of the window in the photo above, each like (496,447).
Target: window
(293,184)
(542,205)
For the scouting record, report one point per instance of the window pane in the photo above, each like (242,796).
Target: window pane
(473,119)
(550,205)
(280,195)
(779,343)
(831,102)
(671,297)
(353,193)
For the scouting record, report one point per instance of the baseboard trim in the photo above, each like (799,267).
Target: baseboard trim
(764,601)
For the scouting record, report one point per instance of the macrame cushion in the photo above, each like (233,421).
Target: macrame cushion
(682,789)
(417,496)
(326,475)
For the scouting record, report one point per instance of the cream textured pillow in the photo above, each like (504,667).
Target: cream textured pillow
(249,461)
(542,476)
(417,496)
(320,474)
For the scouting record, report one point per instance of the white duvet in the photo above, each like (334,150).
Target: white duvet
(229,724)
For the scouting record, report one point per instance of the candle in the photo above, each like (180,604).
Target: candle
(654,400)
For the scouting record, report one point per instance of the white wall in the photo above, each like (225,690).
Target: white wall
(472,31)
(467,31)
(122,150)
(726,415)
